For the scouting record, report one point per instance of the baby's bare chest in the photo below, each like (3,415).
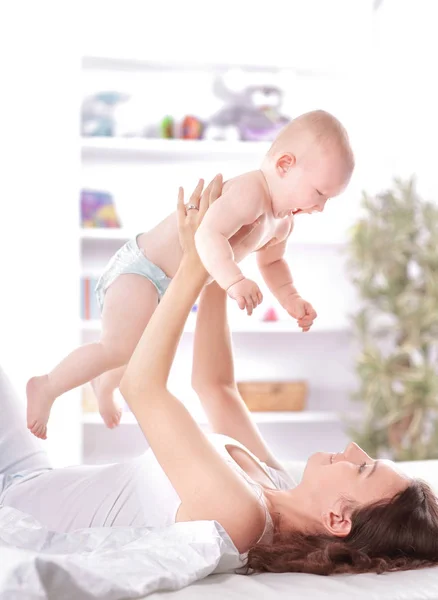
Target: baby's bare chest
(263,233)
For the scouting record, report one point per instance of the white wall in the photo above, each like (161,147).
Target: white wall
(39,67)
(401,87)
(314,34)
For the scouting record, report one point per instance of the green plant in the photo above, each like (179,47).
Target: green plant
(394,265)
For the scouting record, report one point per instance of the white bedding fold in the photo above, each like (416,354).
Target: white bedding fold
(106,563)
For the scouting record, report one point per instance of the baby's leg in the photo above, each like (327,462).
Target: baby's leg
(129,304)
(104,387)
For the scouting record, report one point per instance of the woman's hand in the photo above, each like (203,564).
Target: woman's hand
(190,216)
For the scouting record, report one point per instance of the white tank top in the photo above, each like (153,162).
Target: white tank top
(134,493)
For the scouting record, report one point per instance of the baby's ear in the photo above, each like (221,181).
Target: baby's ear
(285,162)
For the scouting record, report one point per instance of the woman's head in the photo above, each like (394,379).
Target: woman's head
(362,516)
(335,485)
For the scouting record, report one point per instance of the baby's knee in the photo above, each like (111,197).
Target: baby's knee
(116,355)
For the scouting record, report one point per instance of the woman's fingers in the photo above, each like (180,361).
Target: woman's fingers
(203,205)
(196,195)
(192,209)
(211,193)
(216,189)
(181,209)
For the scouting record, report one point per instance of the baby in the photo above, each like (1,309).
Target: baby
(309,162)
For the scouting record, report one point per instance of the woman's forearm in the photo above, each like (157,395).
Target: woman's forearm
(212,352)
(152,359)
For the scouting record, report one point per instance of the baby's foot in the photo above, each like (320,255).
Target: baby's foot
(39,404)
(109,409)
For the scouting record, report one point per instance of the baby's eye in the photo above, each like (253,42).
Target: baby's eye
(362,467)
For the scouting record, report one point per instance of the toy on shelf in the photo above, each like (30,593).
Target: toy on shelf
(270,315)
(167,128)
(191,128)
(265,120)
(251,111)
(97,115)
(98,210)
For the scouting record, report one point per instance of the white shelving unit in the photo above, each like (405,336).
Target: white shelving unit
(305,416)
(122,235)
(130,168)
(246,325)
(161,148)
(105,234)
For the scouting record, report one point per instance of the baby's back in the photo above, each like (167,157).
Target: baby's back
(161,245)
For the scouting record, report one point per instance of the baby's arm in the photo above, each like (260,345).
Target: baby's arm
(240,205)
(276,273)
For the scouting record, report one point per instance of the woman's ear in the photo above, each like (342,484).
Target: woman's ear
(284,163)
(338,520)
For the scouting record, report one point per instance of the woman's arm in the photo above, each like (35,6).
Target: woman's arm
(213,377)
(208,487)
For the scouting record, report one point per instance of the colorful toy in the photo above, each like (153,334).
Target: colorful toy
(167,128)
(264,120)
(98,210)
(251,111)
(97,114)
(270,315)
(191,128)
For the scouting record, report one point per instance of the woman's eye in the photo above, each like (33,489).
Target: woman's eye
(362,467)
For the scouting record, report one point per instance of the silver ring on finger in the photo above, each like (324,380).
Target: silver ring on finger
(192,207)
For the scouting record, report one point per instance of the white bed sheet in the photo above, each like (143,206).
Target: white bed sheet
(408,585)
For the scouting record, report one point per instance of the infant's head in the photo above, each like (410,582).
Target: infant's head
(309,162)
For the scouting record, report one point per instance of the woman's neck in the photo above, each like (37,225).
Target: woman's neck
(293,509)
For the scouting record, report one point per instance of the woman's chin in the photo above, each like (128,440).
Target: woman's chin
(319,459)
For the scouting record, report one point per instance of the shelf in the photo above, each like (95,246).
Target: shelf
(105,234)
(111,147)
(123,235)
(247,325)
(259,417)
(112,63)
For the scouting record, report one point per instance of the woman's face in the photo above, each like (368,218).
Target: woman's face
(331,479)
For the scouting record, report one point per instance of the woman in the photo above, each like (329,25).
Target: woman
(350,513)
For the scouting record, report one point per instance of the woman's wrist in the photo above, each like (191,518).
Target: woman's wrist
(191,263)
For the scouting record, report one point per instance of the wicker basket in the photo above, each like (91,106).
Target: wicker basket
(274,395)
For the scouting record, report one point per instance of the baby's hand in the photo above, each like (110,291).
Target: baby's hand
(247,294)
(300,310)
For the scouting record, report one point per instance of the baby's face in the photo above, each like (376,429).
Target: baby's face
(307,184)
